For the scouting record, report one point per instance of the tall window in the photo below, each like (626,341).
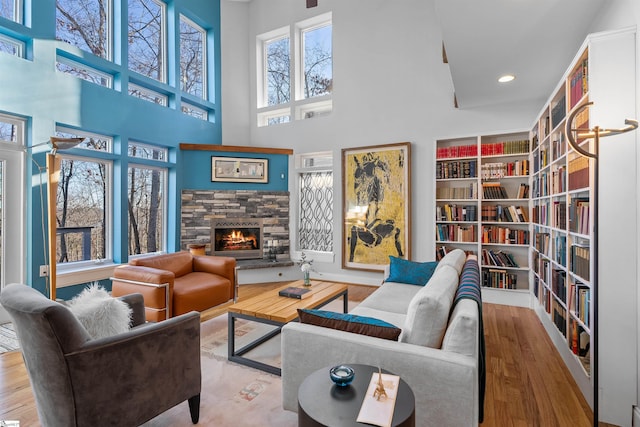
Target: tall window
(146,200)
(315,193)
(82,203)
(278,84)
(193,43)
(11,9)
(85,24)
(317,60)
(283,96)
(147,38)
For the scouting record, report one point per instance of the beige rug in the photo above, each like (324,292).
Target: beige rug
(236,395)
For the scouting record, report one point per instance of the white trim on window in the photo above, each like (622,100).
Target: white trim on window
(17,44)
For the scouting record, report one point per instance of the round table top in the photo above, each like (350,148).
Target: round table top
(325,403)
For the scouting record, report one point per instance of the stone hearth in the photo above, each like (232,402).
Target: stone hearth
(200,206)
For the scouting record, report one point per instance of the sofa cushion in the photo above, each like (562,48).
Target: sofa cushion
(455,259)
(429,309)
(462,332)
(100,314)
(349,323)
(392,297)
(396,319)
(410,272)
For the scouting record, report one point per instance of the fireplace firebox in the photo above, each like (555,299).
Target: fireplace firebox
(241,238)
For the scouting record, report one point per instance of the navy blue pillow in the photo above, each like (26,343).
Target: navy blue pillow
(410,272)
(350,323)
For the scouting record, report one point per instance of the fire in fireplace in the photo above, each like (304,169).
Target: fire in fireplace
(240,238)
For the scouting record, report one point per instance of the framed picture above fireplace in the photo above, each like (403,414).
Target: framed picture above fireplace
(239,169)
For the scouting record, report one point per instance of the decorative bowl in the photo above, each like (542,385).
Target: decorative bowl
(341,375)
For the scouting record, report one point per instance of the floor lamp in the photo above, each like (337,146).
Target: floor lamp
(53,176)
(596,133)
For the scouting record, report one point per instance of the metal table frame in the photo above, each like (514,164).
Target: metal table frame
(237,355)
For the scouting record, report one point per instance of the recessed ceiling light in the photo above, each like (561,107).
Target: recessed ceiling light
(506,78)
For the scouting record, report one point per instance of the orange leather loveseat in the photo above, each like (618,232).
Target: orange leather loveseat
(176,283)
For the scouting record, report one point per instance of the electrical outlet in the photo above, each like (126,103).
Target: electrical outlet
(44,270)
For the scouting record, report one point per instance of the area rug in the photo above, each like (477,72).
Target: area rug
(236,395)
(8,338)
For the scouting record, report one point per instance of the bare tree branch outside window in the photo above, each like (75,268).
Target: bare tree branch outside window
(192,56)
(146,38)
(84,24)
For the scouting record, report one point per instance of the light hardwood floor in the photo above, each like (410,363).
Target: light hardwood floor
(527,382)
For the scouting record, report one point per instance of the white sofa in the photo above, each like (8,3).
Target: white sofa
(437,353)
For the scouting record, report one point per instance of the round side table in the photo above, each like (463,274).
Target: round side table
(322,403)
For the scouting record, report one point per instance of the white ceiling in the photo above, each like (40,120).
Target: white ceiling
(533,39)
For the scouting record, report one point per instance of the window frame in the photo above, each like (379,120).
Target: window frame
(163,47)
(204,68)
(73,266)
(303,166)
(18,44)
(80,66)
(18,14)
(109,30)
(298,107)
(164,170)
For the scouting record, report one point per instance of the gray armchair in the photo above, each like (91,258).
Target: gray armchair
(122,380)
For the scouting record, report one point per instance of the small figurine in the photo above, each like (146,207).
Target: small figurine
(380,393)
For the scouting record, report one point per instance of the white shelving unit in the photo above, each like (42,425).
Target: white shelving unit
(482,207)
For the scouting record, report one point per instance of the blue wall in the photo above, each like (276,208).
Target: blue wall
(199,163)
(33,89)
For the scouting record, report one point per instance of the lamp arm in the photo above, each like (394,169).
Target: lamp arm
(569,131)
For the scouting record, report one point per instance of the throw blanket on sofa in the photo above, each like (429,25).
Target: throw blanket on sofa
(469,288)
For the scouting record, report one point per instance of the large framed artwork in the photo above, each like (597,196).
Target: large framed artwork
(376,205)
(235,169)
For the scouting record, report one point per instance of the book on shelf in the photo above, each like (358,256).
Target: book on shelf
(295,292)
(523,191)
(578,173)
(467,192)
(453,212)
(579,215)
(493,190)
(456,169)
(579,257)
(498,258)
(498,278)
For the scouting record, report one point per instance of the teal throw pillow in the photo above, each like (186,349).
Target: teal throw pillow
(410,272)
(350,323)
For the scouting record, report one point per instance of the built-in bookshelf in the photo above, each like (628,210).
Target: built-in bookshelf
(562,217)
(482,207)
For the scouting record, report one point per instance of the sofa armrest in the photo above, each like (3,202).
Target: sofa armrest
(445,384)
(220,265)
(138,364)
(136,303)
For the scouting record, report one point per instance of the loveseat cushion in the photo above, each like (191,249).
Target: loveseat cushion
(350,323)
(429,309)
(410,272)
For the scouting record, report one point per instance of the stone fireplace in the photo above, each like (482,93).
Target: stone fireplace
(240,238)
(202,209)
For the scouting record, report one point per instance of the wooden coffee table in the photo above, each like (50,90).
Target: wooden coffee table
(272,309)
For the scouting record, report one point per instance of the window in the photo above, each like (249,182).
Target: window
(85,24)
(146,201)
(312,64)
(317,59)
(147,38)
(11,46)
(193,111)
(11,9)
(92,141)
(148,95)
(84,72)
(278,84)
(315,193)
(11,129)
(193,61)
(83,204)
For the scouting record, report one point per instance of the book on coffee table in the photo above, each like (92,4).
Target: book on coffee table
(295,292)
